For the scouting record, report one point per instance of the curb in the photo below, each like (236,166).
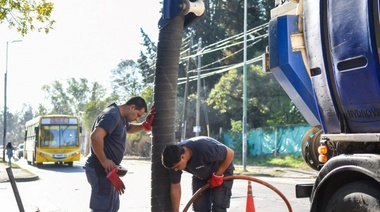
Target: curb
(20,174)
(23,179)
(258,171)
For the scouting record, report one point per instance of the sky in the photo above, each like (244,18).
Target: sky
(88,40)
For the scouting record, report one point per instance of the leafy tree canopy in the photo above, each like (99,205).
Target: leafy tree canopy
(26,15)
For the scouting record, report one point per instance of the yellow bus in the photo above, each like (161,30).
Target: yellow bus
(52,138)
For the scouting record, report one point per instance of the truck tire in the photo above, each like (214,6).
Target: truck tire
(358,196)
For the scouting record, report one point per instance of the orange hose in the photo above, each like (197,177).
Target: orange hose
(241,177)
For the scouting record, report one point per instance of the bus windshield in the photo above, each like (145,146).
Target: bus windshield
(59,136)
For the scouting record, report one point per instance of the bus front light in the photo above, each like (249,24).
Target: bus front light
(75,154)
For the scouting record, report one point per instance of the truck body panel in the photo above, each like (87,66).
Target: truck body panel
(337,70)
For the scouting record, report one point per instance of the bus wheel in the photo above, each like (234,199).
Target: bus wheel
(355,196)
(26,158)
(70,164)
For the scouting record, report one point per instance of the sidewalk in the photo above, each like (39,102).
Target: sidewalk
(21,174)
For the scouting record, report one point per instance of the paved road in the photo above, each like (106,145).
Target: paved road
(74,193)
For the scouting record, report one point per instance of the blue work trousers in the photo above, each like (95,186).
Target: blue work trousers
(215,199)
(104,196)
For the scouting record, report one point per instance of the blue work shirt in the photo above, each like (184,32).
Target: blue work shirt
(116,127)
(207,154)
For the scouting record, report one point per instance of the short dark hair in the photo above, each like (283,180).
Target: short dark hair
(171,155)
(139,103)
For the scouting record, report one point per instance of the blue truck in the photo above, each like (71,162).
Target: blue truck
(326,56)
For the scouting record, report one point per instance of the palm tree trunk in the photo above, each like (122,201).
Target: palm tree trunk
(165,92)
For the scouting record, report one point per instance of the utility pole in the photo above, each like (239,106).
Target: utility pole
(244,133)
(184,122)
(5,98)
(205,110)
(198,127)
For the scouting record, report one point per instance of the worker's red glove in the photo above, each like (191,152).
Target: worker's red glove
(115,180)
(147,124)
(215,180)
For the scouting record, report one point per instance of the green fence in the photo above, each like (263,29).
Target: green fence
(286,140)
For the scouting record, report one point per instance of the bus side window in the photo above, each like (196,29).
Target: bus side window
(26,135)
(36,130)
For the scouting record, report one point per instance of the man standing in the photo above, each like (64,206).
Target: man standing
(108,140)
(209,161)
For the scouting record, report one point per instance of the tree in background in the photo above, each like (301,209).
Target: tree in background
(147,60)
(23,116)
(79,90)
(15,124)
(67,99)
(222,42)
(126,79)
(268,104)
(59,98)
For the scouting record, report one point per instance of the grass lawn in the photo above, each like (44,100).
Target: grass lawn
(281,161)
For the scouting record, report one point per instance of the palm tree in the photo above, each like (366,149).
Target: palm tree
(165,90)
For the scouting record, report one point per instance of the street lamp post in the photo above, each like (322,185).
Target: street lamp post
(5,97)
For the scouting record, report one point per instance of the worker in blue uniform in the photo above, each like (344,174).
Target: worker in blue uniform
(209,161)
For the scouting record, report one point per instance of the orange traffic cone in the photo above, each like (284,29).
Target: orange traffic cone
(250,206)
